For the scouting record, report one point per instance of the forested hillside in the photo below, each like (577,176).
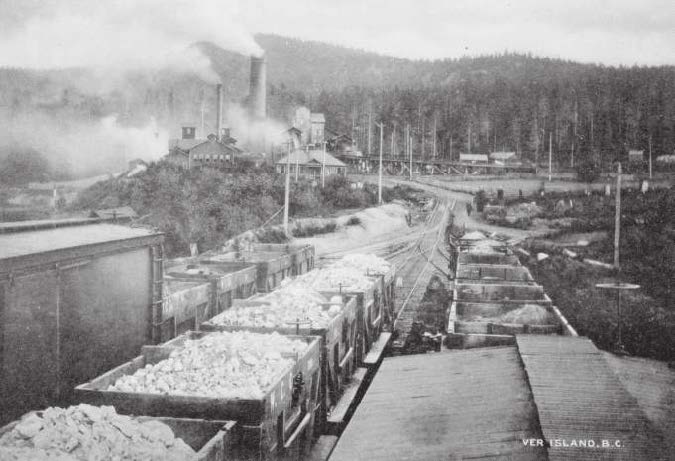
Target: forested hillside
(504,102)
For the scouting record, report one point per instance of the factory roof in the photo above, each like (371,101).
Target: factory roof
(302,157)
(579,396)
(44,244)
(450,405)
(185,144)
(473,158)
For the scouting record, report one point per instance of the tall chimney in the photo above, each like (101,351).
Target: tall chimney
(258,87)
(219,109)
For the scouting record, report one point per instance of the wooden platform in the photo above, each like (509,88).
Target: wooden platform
(322,448)
(376,352)
(447,405)
(580,398)
(345,407)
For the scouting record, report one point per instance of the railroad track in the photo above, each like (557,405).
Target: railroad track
(416,266)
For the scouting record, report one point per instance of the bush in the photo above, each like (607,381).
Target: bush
(354,221)
(588,171)
(310,230)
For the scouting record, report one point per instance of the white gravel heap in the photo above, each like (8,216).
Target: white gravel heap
(226,365)
(293,301)
(89,433)
(334,278)
(354,272)
(364,263)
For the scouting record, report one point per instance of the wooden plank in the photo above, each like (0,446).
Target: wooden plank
(340,412)
(322,448)
(376,353)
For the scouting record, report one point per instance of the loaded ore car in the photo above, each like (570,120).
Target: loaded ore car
(210,440)
(277,423)
(337,330)
(74,301)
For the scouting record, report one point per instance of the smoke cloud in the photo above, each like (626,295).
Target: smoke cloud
(123,35)
(256,134)
(85,147)
(114,42)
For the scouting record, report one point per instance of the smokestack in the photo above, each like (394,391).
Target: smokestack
(258,87)
(219,109)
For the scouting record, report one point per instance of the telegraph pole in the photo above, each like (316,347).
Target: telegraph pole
(287,190)
(550,154)
(617,219)
(370,124)
(393,142)
(379,184)
(435,127)
(410,151)
(650,156)
(323,166)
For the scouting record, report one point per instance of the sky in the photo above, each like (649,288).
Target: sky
(610,32)
(52,33)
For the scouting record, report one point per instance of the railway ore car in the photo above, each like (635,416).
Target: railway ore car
(229,281)
(74,302)
(211,440)
(273,267)
(276,423)
(338,338)
(374,293)
(302,256)
(186,304)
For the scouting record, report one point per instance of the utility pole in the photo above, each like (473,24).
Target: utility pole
(435,127)
(576,121)
(287,189)
(451,157)
(408,147)
(617,219)
(379,184)
(370,123)
(392,153)
(323,166)
(550,154)
(469,137)
(650,156)
(423,138)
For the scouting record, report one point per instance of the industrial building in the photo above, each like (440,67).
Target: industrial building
(214,151)
(308,164)
(75,300)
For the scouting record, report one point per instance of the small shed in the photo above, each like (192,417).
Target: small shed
(503,157)
(309,164)
(473,158)
(636,156)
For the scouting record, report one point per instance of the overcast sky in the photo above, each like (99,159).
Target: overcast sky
(71,32)
(611,32)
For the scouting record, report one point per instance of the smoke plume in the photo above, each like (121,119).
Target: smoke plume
(85,147)
(113,43)
(123,35)
(257,135)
